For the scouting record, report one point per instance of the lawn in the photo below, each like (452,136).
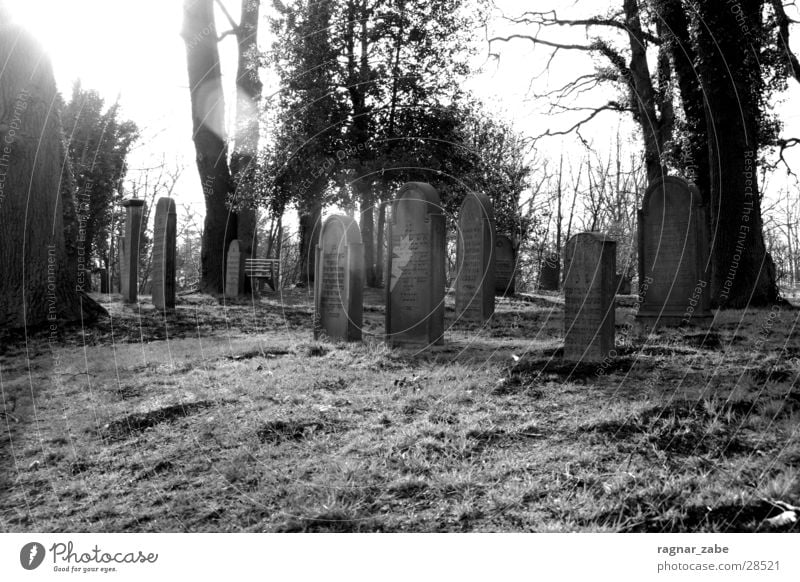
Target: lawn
(227,416)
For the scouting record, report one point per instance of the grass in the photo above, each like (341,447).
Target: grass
(230,418)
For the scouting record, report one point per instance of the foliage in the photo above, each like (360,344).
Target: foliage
(98,142)
(366,93)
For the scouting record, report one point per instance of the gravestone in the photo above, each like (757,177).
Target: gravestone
(550,273)
(623,284)
(246,220)
(505,262)
(415,267)
(339,280)
(589,297)
(475,259)
(105,283)
(673,256)
(164,238)
(233,270)
(129,249)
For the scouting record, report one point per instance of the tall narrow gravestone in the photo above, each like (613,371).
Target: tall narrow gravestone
(415,265)
(129,249)
(339,280)
(164,233)
(550,272)
(589,294)
(673,256)
(233,270)
(505,263)
(475,259)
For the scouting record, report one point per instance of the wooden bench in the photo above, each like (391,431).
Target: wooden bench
(263,269)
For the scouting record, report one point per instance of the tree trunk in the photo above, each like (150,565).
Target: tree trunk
(245,150)
(38,282)
(379,245)
(643,96)
(743,273)
(208,121)
(310,222)
(367,207)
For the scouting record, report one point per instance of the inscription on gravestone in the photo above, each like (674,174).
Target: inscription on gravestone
(339,281)
(589,293)
(673,255)
(475,259)
(164,233)
(415,265)
(129,249)
(233,270)
(505,262)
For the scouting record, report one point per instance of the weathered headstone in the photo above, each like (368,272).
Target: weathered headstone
(105,283)
(505,262)
(246,220)
(233,270)
(590,263)
(129,249)
(673,256)
(623,284)
(550,272)
(415,266)
(475,259)
(164,238)
(339,280)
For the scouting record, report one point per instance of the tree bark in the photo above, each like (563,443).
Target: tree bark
(38,282)
(743,273)
(683,56)
(245,150)
(367,208)
(655,129)
(380,261)
(310,222)
(208,122)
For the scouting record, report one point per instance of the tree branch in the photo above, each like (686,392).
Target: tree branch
(227,14)
(226,33)
(783,22)
(550,18)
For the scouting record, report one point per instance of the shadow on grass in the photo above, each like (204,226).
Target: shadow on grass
(529,371)
(642,515)
(335,521)
(685,428)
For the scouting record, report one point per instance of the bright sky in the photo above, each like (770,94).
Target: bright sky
(134,50)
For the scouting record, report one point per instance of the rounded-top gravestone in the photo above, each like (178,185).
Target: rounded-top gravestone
(164,240)
(475,259)
(415,267)
(339,280)
(673,256)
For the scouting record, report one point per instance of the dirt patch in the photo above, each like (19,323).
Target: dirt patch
(276,432)
(134,424)
(258,353)
(493,437)
(332,522)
